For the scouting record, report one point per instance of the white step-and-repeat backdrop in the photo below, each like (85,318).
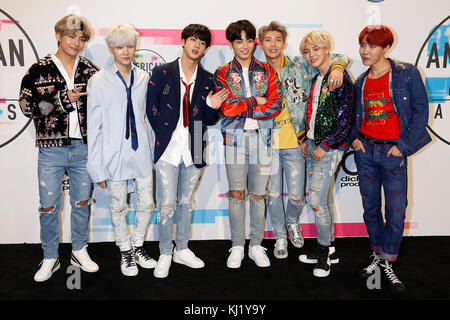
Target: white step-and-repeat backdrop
(422,30)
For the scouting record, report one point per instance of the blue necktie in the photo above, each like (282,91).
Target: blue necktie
(131,122)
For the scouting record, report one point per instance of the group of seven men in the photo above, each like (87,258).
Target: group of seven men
(291,118)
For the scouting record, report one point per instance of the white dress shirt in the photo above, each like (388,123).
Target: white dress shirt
(250,124)
(74,124)
(315,104)
(110,155)
(178,148)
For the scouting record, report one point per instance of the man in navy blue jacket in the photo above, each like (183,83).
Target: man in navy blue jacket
(180,104)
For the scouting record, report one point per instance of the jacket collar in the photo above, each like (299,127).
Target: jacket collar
(238,66)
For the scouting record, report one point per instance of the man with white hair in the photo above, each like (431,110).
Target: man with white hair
(119,144)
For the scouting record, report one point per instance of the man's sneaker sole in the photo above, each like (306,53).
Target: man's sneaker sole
(304,258)
(74,261)
(320,273)
(130,273)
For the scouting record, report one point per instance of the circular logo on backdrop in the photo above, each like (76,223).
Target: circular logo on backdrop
(17,54)
(148,59)
(434,58)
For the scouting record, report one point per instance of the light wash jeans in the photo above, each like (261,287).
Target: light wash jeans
(53,162)
(248,164)
(292,164)
(118,194)
(320,176)
(174,189)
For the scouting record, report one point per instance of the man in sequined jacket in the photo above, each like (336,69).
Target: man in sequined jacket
(329,120)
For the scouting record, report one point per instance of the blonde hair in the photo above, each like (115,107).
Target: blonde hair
(70,24)
(318,37)
(121,35)
(273,26)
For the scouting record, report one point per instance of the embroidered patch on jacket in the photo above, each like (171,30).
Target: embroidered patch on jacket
(166,89)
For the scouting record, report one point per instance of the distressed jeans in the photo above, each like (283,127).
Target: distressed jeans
(248,164)
(292,164)
(174,189)
(53,162)
(320,175)
(375,171)
(118,194)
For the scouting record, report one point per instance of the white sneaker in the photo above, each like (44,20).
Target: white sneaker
(163,266)
(188,258)
(128,263)
(81,259)
(281,249)
(258,254)
(48,266)
(235,257)
(143,258)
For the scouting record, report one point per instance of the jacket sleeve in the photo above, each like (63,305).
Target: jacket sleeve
(344,118)
(274,97)
(95,166)
(153,90)
(210,115)
(418,117)
(27,100)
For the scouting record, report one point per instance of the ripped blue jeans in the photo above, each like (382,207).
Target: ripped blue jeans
(320,175)
(375,171)
(174,189)
(118,193)
(292,164)
(248,168)
(53,162)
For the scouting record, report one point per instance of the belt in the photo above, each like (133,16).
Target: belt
(376,141)
(251,130)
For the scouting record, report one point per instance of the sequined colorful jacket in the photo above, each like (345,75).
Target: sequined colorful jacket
(334,114)
(43,97)
(264,83)
(296,79)
(410,101)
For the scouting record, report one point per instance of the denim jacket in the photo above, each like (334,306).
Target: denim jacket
(410,101)
(264,83)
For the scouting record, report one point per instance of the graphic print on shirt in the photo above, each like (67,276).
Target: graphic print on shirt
(380,120)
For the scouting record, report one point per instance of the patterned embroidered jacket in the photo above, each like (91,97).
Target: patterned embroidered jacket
(43,97)
(296,77)
(264,83)
(334,117)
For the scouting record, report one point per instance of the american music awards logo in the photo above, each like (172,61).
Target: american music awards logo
(147,59)
(17,54)
(434,59)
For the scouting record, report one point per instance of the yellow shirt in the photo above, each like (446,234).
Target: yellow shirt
(284,136)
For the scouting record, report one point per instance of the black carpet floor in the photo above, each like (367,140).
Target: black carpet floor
(422,265)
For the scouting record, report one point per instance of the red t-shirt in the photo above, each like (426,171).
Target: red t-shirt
(380,120)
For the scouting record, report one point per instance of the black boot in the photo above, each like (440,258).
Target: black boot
(390,277)
(322,268)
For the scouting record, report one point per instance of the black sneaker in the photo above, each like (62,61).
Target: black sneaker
(311,258)
(370,269)
(322,268)
(391,277)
